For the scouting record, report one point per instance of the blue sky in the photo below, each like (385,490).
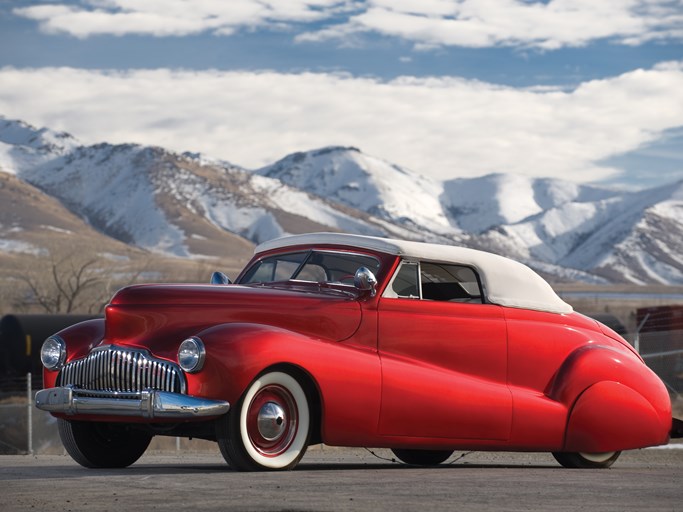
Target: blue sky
(580,90)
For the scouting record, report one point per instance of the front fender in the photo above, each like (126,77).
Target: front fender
(347,377)
(237,352)
(80,339)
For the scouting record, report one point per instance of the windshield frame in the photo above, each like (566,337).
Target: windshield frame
(294,277)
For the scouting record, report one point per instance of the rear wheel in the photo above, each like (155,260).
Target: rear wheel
(102,445)
(586,460)
(422,457)
(270,427)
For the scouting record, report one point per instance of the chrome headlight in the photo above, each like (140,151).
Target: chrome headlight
(53,353)
(191,354)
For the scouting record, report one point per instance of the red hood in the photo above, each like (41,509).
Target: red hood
(157,315)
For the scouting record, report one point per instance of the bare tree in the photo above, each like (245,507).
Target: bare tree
(79,279)
(74,280)
(64,283)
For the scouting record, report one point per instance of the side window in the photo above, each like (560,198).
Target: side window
(453,283)
(405,283)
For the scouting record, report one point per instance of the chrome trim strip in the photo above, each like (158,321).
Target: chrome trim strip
(147,403)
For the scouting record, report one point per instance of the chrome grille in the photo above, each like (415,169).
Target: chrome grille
(122,370)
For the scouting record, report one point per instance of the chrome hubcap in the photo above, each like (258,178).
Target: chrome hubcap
(271,421)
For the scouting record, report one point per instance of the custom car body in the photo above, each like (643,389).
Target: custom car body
(352,341)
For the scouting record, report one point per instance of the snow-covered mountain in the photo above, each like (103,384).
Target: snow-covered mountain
(189,205)
(627,237)
(478,204)
(562,228)
(366,183)
(184,205)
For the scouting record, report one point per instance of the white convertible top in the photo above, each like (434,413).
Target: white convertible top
(506,282)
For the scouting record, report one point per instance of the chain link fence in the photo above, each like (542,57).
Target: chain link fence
(659,340)
(663,352)
(23,428)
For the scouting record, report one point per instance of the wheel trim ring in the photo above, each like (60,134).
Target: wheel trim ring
(282,399)
(597,457)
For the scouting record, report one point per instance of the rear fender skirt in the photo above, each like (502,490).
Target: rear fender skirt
(593,364)
(609,416)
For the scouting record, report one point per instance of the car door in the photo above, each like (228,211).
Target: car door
(444,356)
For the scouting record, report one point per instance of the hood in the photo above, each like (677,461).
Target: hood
(141,315)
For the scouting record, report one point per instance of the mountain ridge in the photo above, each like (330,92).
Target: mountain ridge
(193,206)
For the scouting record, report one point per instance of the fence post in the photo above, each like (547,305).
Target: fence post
(636,341)
(29,396)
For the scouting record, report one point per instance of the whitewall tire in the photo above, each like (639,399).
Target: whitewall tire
(270,427)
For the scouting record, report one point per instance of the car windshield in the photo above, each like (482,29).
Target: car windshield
(312,266)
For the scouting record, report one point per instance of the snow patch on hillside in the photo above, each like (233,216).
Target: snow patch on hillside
(366,183)
(315,208)
(23,146)
(17,246)
(115,196)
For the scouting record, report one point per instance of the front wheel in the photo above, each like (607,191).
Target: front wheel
(269,429)
(586,460)
(422,457)
(102,445)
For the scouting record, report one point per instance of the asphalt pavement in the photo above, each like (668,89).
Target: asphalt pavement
(339,479)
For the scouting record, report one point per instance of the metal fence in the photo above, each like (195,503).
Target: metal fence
(663,352)
(27,430)
(23,428)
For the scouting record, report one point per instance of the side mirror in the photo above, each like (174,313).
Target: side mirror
(219,278)
(365,281)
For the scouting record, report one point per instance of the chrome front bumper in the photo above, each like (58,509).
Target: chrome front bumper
(148,403)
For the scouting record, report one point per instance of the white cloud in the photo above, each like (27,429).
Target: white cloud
(443,127)
(174,17)
(518,23)
(428,23)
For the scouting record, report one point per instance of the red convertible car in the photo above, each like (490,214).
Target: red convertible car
(352,341)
